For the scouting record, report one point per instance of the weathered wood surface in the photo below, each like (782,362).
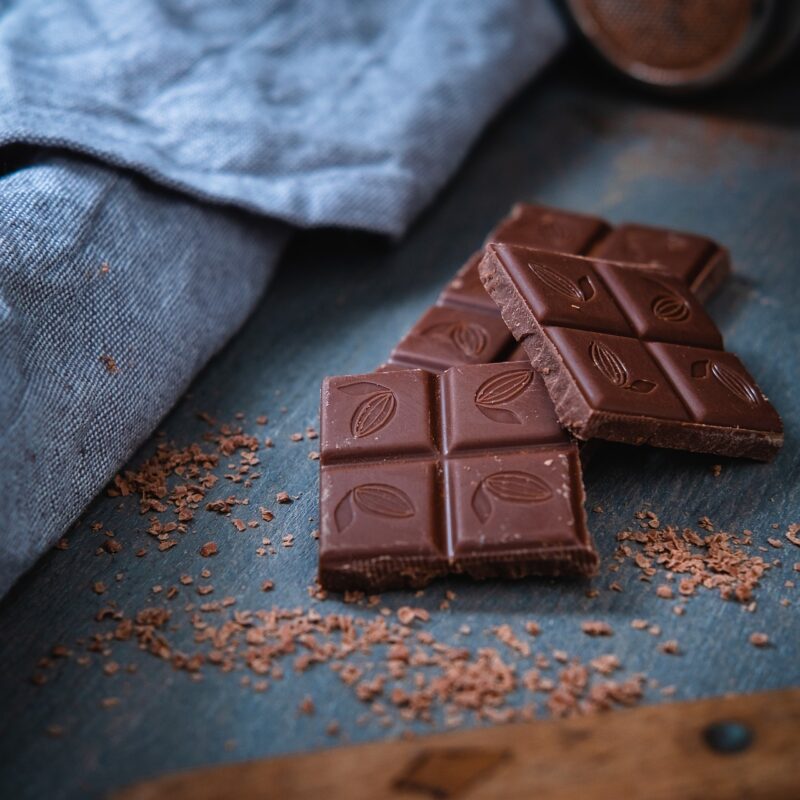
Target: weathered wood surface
(720,749)
(730,170)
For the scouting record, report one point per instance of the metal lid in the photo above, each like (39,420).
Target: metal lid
(688,44)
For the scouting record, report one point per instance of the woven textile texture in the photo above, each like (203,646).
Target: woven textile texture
(113,294)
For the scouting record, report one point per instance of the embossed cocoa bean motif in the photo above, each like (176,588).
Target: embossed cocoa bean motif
(467,338)
(375,411)
(614,369)
(580,291)
(670,307)
(500,390)
(383,500)
(511,487)
(737,384)
(373,414)
(378,499)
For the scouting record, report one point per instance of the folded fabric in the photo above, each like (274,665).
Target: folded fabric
(338,112)
(113,291)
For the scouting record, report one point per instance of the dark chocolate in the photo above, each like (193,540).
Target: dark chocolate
(464,326)
(698,262)
(629,355)
(464,472)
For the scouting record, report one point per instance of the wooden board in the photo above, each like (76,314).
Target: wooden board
(745,746)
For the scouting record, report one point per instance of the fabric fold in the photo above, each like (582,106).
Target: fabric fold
(334,113)
(113,294)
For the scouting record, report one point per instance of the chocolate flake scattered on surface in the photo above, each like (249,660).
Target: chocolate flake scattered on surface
(596,628)
(209,549)
(714,561)
(409,674)
(306,706)
(109,362)
(793,533)
(670,647)
(775,542)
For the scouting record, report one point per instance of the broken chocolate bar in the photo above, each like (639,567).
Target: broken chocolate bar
(464,326)
(464,472)
(699,263)
(629,355)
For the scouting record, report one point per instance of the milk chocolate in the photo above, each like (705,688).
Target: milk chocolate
(464,472)
(464,325)
(629,355)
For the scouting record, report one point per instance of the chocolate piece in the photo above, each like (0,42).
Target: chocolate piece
(445,336)
(546,228)
(698,262)
(464,327)
(628,355)
(465,472)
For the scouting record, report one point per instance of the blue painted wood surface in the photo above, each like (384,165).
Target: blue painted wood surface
(730,169)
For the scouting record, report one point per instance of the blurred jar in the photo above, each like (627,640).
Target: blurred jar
(689,45)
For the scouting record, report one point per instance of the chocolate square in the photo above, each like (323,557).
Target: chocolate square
(445,336)
(522,508)
(682,254)
(616,373)
(384,415)
(716,387)
(659,307)
(546,228)
(491,405)
(382,522)
(564,290)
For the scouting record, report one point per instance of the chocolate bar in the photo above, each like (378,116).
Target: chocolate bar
(463,472)
(698,262)
(464,325)
(629,355)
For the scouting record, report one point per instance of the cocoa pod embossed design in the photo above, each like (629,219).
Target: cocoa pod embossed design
(579,291)
(670,307)
(498,391)
(378,499)
(614,369)
(510,486)
(375,411)
(738,385)
(468,338)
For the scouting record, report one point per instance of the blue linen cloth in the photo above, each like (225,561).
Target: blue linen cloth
(313,113)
